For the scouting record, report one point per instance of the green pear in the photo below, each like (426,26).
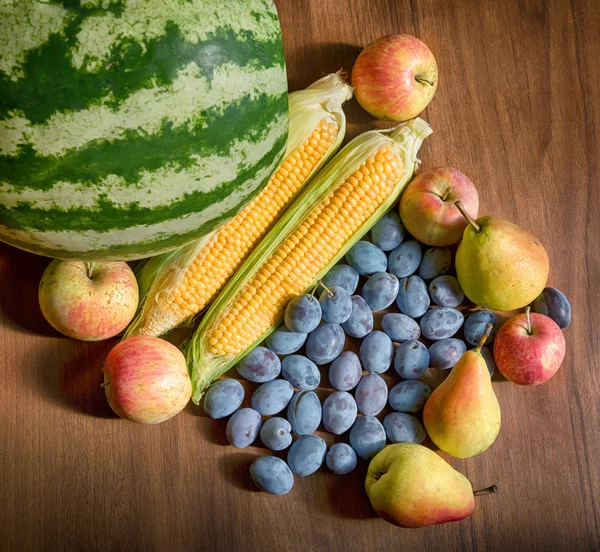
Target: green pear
(462,415)
(499,265)
(411,486)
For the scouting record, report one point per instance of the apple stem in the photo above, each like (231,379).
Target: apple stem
(90,269)
(486,334)
(488,490)
(331,294)
(464,213)
(446,194)
(528,318)
(103,385)
(423,80)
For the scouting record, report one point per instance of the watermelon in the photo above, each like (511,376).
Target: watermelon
(131,127)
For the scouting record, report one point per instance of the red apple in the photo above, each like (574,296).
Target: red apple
(428,210)
(529,348)
(146,380)
(395,77)
(88,301)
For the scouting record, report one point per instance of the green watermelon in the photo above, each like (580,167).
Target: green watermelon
(131,127)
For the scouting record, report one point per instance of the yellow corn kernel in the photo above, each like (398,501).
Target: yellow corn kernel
(277,287)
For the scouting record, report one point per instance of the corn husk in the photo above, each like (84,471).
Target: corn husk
(161,275)
(406,139)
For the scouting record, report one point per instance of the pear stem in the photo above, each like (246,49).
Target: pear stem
(487,490)
(329,292)
(528,318)
(423,80)
(446,194)
(486,334)
(464,213)
(90,269)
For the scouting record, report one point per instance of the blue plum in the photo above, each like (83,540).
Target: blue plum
(303,314)
(336,304)
(360,322)
(445,353)
(272,475)
(400,327)
(325,343)
(409,396)
(445,291)
(301,372)
(366,258)
(376,352)
(554,304)
(243,427)
(413,298)
(367,437)
(345,371)
(371,395)
(272,397)
(306,455)
(339,412)
(276,434)
(388,232)
(380,290)
(285,342)
(304,412)
(403,428)
(223,398)
(441,323)
(343,276)
(259,365)
(411,360)
(405,259)
(436,261)
(475,326)
(341,459)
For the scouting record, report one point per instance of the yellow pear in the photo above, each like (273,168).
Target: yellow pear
(411,486)
(462,416)
(499,265)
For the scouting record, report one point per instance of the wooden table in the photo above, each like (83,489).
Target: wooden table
(518,110)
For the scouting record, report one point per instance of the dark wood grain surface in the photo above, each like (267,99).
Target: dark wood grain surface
(517,110)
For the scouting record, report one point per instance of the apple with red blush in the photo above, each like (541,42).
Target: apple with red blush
(529,348)
(395,77)
(146,380)
(428,206)
(88,301)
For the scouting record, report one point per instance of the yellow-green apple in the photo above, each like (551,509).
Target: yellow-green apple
(427,206)
(529,348)
(88,301)
(146,380)
(395,77)
(411,486)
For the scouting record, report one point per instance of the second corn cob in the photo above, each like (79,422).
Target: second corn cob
(343,202)
(185,282)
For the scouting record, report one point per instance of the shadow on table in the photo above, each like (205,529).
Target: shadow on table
(235,468)
(80,379)
(21,274)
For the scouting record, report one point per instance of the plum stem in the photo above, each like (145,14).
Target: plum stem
(528,318)
(488,490)
(464,213)
(423,80)
(446,194)
(329,292)
(486,334)
(90,269)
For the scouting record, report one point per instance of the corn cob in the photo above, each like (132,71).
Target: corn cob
(184,283)
(338,208)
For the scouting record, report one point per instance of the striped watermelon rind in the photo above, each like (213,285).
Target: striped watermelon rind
(129,128)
